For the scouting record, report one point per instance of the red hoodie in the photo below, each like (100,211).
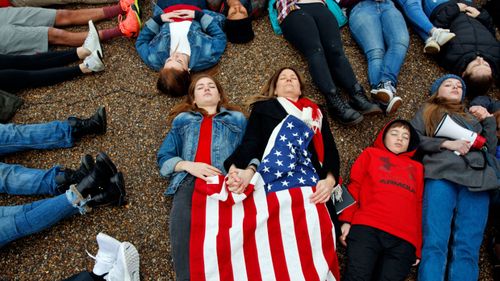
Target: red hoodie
(388,191)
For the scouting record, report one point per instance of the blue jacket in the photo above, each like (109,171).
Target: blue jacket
(206,38)
(181,142)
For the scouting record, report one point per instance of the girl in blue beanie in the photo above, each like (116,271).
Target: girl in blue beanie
(455,201)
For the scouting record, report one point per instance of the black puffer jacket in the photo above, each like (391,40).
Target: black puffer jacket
(474,37)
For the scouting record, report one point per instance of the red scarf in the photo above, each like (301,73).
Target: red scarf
(301,103)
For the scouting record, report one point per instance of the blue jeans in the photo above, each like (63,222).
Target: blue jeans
(380,30)
(15,138)
(22,220)
(418,19)
(447,205)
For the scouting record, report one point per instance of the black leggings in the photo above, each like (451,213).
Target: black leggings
(18,72)
(314,31)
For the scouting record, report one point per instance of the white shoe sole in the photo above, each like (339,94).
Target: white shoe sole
(394,105)
(93,30)
(129,269)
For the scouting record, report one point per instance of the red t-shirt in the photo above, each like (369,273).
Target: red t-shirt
(5,3)
(203,153)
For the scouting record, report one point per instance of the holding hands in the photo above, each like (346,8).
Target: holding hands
(479,112)
(238,179)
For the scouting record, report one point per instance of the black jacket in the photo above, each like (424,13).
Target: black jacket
(474,37)
(265,116)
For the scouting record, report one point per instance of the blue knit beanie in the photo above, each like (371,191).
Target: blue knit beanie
(435,86)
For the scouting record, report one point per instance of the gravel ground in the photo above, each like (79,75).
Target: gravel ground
(136,128)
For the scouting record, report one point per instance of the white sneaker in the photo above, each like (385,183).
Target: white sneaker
(126,267)
(92,42)
(393,105)
(442,36)
(384,92)
(431,46)
(107,254)
(94,62)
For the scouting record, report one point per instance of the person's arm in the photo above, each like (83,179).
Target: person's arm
(211,24)
(427,144)
(149,31)
(169,154)
(332,159)
(445,14)
(355,185)
(251,146)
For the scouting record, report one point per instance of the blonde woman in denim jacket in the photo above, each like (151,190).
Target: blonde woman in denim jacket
(190,154)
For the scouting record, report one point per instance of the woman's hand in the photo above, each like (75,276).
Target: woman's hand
(479,112)
(417,261)
(323,191)
(198,169)
(462,7)
(180,14)
(472,12)
(461,146)
(345,228)
(238,179)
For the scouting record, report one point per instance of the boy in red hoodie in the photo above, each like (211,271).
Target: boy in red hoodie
(383,229)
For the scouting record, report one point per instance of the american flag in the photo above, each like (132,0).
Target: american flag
(270,232)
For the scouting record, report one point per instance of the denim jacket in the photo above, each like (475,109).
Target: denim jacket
(206,38)
(181,142)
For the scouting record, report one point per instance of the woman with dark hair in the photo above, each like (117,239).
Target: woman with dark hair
(205,130)
(291,138)
(311,28)
(182,36)
(474,54)
(455,202)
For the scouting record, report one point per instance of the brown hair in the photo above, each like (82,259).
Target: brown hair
(267,92)
(398,124)
(478,85)
(173,82)
(435,108)
(188,103)
(496,114)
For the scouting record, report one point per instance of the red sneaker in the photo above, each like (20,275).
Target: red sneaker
(131,25)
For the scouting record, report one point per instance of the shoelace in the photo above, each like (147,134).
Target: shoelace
(101,258)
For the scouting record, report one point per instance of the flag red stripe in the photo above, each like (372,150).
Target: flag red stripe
(302,235)
(196,267)
(223,242)
(275,239)
(327,239)
(249,244)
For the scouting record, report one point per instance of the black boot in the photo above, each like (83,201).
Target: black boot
(98,178)
(112,194)
(96,124)
(70,177)
(339,109)
(360,102)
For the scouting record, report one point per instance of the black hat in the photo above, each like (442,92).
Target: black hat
(239,31)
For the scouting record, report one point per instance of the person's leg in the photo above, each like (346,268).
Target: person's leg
(418,19)
(469,224)
(51,135)
(299,28)
(20,221)
(43,3)
(366,29)
(38,61)
(399,255)
(437,213)
(19,180)
(397,40)
(363,250)
(331,43)
(180,227)
(13,80)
